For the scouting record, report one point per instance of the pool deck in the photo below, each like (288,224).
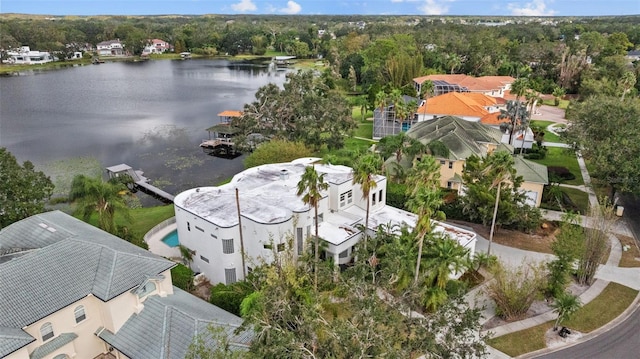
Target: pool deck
(157,246)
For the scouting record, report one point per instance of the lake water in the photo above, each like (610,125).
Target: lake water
(150,115)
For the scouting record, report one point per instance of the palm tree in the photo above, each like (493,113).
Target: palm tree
(443,257)
(400,145)
(93,195)
(310,187)
(364,170)
(558,93)
(499,169)
(425,198)
(396,99)
(565,305)
(516,113)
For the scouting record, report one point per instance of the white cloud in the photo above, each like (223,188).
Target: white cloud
(434,7)
(533,8)
(292,8)
(244,6)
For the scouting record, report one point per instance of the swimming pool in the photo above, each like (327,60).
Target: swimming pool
(171,239)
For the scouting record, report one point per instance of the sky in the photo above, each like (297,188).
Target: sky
(325,7)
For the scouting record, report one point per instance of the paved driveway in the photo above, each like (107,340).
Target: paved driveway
(549,113)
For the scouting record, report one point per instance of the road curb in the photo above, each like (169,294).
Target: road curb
(605,328)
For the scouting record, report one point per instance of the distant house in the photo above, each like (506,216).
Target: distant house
(386,122)
(71,290)
(227,244)
(518,141)
(464,139)
(633,55)
(110,48)
(493,86)
(25,55)
(471,106)
(156,46)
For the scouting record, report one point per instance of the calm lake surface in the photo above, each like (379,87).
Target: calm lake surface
(150,115)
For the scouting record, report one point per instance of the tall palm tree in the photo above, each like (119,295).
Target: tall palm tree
(310,188)
(364,171)
(516,113)
(92,195)
(499,170)
(424,199)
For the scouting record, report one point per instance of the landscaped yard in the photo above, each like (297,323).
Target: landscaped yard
(579,198)
(563,103)
(548,135)
(563,157)
(631,256)
(613,300)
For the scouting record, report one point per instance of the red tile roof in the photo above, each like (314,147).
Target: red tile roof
(484,83)
(458,104)
(230,113)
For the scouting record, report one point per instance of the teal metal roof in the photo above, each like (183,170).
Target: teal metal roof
(54,344)
(168,325)
(531,171)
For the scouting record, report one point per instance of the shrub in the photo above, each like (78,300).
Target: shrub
(276,151)
(396,195)
(229,297)
(182,277)
(515,289)
(562,173)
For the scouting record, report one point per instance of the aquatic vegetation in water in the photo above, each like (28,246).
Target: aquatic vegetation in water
(62,172)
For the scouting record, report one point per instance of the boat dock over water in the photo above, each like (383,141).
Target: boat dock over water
(220,140)
(140,182)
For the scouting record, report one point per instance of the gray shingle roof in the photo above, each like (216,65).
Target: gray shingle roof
(55,343)
(167,326)
(531,171)
(74,259)
(12,339)
(462,138)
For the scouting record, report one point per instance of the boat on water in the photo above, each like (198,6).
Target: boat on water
(185,55)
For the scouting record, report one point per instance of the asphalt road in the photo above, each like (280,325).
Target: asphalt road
(631,214)
(621,342)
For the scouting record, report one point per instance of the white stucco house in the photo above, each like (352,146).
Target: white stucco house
(71,290)
(24,55)
(273,218)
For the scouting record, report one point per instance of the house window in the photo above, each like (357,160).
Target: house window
(205,259)
(280,247)
(299,240)
(344,254)
(227,246)
(46,331)
(188,227)
(450,164)
(200,229)
(320,218)
(79,314)
(443,162)
(230,275)
(308,231)
(374,199)
(380,196)
(214,236)
(146,289)
(268,246)
(449,185)
(346,198)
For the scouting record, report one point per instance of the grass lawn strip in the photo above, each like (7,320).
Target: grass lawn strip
(613,300)
(560,157)
(548,135)
(630,257)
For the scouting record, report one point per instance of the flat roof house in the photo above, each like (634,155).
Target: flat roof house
(273,217)
(71,290)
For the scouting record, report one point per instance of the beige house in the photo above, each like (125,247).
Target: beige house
(464,139)
(70,290)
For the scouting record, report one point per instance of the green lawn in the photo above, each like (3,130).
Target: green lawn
(365,130)
(548,136)
(563,103)
(578,197)
(613,300)
(562,157)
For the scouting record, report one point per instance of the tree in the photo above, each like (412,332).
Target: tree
(596,242)
(398,146)
(276,151)
(306,110)
(627,83)
(607,132)
(92,195)
(567,247)
(425,198)
(353,78)
(310,188)
(518,116)
(565,305)
(23,190)
(443,257)
(514,289)
(364,174)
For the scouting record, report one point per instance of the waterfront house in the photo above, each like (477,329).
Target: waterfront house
(24,55)
(156,46)
(494,86)
(234,227)
(110,48)
(71,290)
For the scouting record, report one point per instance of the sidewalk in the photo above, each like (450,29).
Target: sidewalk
(609,272)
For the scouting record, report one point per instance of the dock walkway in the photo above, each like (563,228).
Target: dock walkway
(140,182)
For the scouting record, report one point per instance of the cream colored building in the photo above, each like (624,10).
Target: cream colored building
(70,290)
(463,139)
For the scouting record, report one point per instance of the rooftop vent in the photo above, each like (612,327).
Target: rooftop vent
(284,174)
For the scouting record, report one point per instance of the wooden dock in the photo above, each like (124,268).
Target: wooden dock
(140,182)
